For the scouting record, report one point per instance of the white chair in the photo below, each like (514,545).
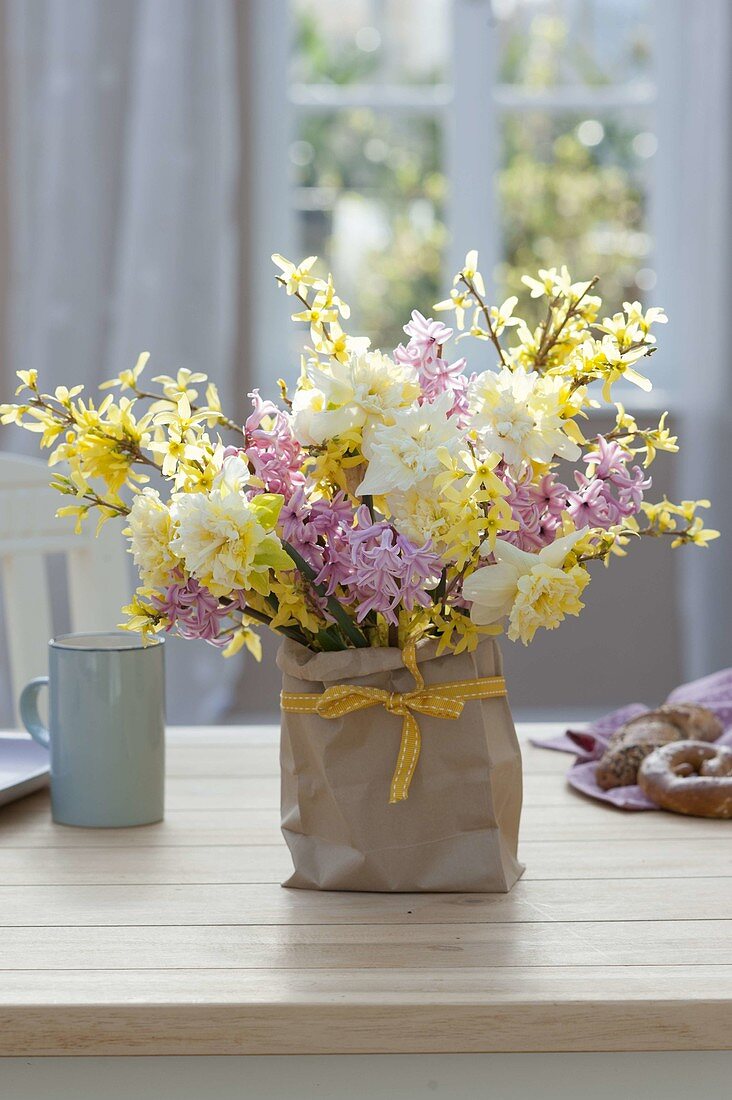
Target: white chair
(98,578)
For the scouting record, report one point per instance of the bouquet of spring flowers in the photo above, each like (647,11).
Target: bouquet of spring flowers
(387,518)
(393,497)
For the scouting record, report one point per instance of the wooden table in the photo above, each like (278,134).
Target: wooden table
(177,939)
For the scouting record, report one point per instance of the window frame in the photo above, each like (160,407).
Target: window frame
(471,152)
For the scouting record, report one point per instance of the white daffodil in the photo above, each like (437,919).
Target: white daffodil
(404,453)
(418,513)
(518,414)
(150,532)
(366,389)
(226,541)
(532,589)
(233,475)
(307,403)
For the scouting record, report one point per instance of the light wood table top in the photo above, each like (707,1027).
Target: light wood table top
(178,939)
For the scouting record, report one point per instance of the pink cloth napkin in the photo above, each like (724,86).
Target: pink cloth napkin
(714,692)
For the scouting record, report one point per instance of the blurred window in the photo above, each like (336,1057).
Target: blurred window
(370,84)
(423,127)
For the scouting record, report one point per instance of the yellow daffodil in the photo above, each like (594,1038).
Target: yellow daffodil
(150,532)
(228,542)
(402,470)
(532,589)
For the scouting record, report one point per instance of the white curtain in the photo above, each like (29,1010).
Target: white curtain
(700,128)
(123,179)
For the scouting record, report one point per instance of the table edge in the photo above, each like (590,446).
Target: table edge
(316,1028)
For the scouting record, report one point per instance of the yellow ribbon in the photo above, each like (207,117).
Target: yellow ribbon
(439,700)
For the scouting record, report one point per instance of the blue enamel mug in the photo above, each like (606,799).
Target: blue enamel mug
(106,730)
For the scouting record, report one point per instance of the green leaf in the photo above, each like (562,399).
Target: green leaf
(267,508)
(328,642)
(270,554)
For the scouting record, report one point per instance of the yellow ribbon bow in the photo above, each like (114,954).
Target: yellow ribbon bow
(439,700)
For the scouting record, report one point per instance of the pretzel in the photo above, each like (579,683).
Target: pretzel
(689,777)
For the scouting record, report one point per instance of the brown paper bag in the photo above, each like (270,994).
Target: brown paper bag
(457,830)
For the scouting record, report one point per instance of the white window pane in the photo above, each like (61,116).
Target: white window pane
(369,192)
(364,41)
(574,189)
(549,43)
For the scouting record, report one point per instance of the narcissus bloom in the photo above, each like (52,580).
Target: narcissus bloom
(344,396)
(226,541)
(405,452)
(532,589)
(518,414)
(150,532)
(392,497)
(545,597)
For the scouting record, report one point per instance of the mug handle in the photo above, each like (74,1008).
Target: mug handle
(29,711)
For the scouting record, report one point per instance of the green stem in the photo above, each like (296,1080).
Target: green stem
(325,638)
(293,633)
(551,336)
(339,613)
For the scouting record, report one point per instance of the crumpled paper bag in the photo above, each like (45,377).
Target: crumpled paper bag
(457,830)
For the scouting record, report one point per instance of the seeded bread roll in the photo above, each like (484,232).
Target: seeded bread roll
(629,746)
